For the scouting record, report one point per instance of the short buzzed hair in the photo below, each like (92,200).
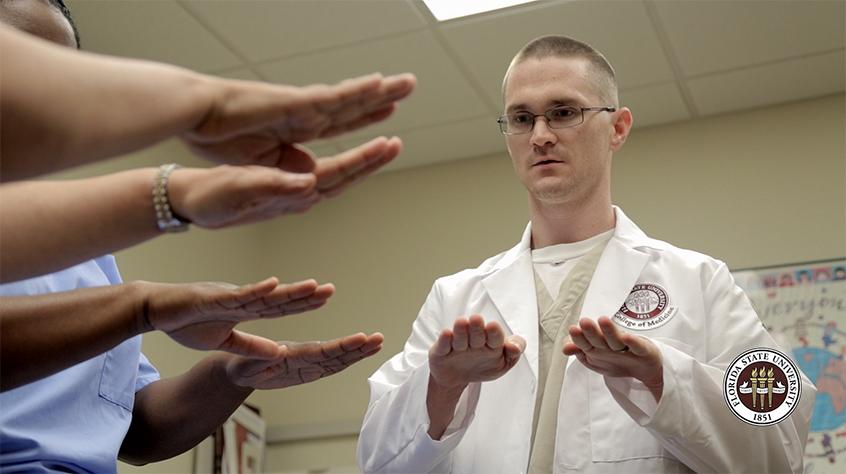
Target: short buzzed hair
(603,77)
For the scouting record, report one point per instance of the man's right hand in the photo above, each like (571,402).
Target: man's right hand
(471,352)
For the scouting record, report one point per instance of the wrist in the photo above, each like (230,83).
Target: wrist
(141,292)
(655,384)
(221,372)
(167,219)
(177,189)
(446,391)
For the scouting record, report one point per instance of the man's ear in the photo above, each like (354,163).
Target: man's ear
(622,127)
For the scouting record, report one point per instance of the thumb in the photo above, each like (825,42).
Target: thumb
(515,343)
(514,347)
(250,345)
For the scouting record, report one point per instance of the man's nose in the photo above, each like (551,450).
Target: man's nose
(542,135)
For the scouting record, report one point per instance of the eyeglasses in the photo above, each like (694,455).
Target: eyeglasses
(557,117)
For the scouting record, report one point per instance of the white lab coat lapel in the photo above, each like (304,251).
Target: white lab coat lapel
(617,271)
(511,287)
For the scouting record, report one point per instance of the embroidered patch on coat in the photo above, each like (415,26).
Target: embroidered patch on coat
(762,386)
(646,307)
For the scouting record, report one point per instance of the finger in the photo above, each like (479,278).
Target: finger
(327,100)
(374,343)
(283,293)
(293,158)
(295,307)
(313,352)
(399,86)
(591,332)
(262,182)
(344,166)
(612,334)
(460,335)
(638,345)
(231,299)
(495,336)
(342,345)
(570,349)
(250,345)
(360,175)
(353,342)
(583,359)
(376,115)
(579,339)
(366,350)
(259,289)
(476,332)
(347,360)
(443,346)
(390,90)
(515,343)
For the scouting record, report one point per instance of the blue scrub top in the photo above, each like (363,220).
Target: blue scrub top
(74,420)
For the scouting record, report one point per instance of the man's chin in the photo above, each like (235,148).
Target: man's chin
(552,189)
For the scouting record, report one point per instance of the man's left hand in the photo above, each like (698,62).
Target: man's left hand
(608,350)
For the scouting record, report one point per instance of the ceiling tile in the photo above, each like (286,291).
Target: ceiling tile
(654,105)
(442,93)
(466,139)
(242,73)
(709,36)
(161,31)
(620,29)
(771,84)
(262,30)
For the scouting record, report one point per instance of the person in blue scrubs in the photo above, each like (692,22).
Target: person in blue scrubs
(84,415)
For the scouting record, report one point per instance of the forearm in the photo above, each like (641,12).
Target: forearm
(440,404)
(45,334)
(46,226)
(99,106)
(711,438)
(172,416)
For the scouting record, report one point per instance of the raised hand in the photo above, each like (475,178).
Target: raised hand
(257,123)
(231,195)
(608,350)
(203,315)
(302,362)
(472,352)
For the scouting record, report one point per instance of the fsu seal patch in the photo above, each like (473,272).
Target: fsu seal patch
(646,307)
(762,386)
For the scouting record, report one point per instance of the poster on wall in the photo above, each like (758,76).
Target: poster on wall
(236,447)
(804,307)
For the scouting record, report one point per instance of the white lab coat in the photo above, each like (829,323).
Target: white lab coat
(605,424)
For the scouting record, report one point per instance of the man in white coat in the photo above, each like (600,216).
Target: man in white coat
(604,350)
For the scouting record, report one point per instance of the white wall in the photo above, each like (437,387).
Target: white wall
(755,188)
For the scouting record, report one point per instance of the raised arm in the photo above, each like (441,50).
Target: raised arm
(171,416)
(44,334)
(100,107)
(46,226)
(709,438)
(471,352)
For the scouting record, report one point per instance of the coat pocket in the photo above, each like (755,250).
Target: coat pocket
(615,436)
(120,369)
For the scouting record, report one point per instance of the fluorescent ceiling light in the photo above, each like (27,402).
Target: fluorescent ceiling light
(449,9)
